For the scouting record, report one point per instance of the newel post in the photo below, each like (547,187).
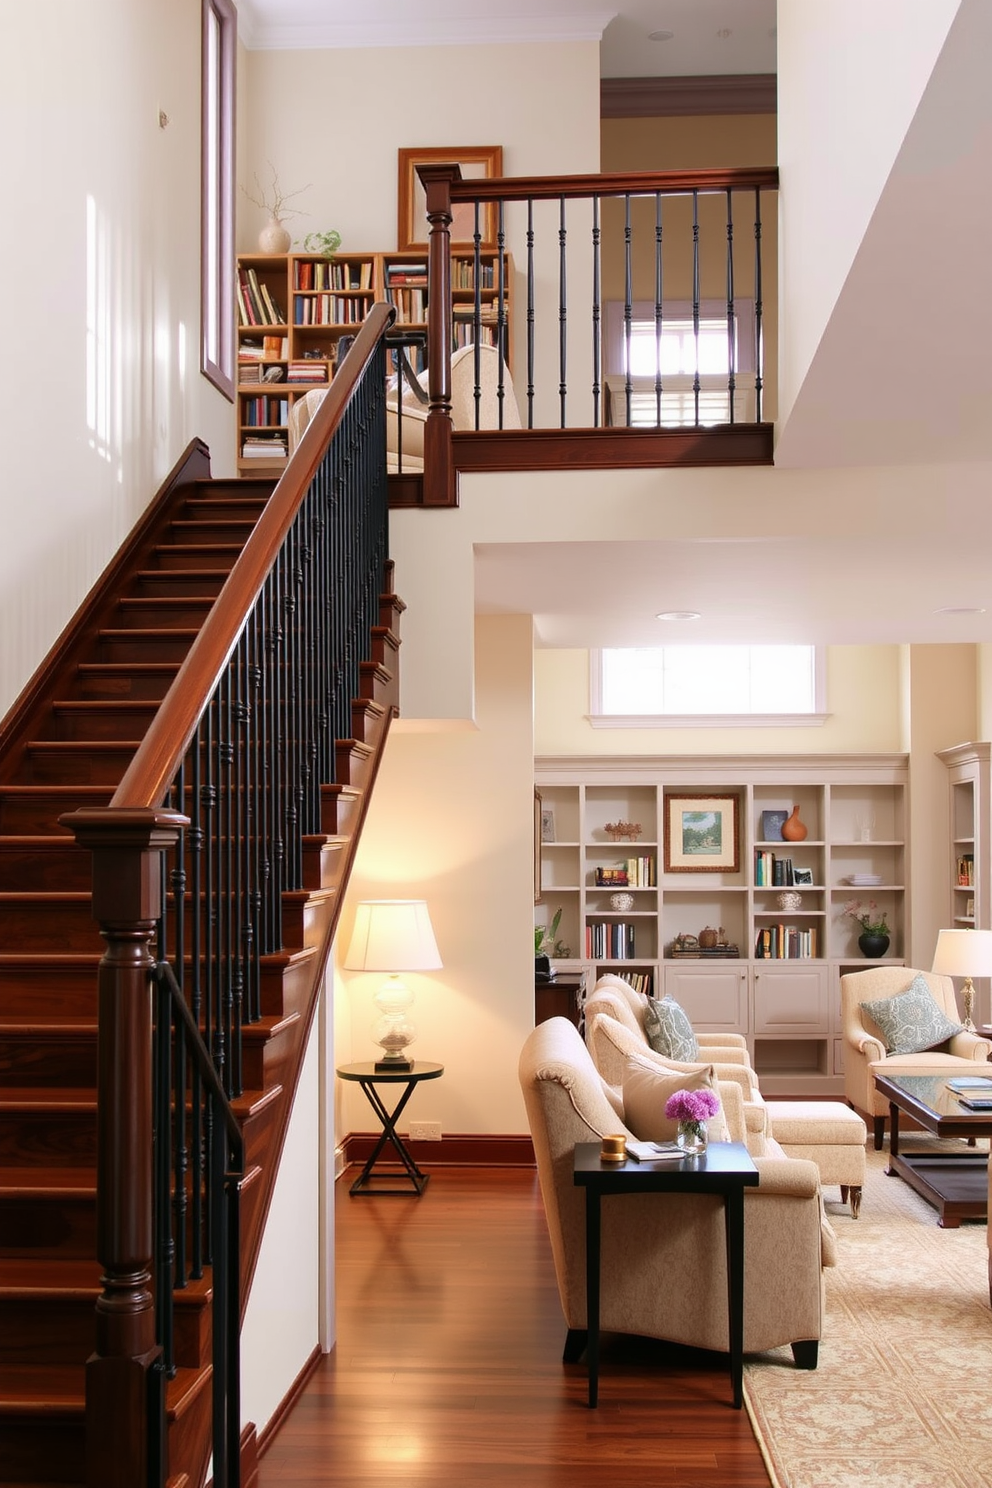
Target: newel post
(439,468)
(127,850)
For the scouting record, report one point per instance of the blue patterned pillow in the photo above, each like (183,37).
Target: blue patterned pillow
(912,1021)
(669,1031)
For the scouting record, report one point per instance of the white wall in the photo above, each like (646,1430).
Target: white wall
(99,260)
(850,76)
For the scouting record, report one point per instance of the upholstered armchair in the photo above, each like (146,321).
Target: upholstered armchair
(663,1254)
(463,404)
(612,1042)
(865,1052)
(630,1006)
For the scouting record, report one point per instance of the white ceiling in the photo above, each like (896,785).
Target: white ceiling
(922,370)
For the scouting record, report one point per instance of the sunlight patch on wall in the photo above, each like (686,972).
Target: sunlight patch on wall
(102,395)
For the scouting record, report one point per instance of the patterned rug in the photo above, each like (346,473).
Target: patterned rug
(902,1396)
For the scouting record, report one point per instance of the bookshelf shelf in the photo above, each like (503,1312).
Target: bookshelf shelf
(787,1002)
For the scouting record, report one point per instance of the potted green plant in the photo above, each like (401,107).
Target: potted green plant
(326,243)
(546,942)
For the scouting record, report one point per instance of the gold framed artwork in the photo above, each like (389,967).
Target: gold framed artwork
(702,834)
(475,162)
(537,845)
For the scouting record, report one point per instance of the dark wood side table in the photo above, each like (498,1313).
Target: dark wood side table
(955,1183)
(368,1077)
(561,998)
(726,1169)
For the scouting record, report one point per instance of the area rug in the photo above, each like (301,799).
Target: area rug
(902,1396)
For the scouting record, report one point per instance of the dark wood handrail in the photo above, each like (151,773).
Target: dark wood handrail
(624,183)
(153,768)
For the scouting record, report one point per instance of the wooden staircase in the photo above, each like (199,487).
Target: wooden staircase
(65,746)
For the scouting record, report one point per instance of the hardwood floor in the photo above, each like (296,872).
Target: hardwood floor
(448,1364)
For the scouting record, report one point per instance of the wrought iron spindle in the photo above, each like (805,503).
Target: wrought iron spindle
(530,313)
(695,305)
(562,311)
(477,319)
(731,314)
(628,312)
(597,327)
(659,304)
(758,350)
(501,332)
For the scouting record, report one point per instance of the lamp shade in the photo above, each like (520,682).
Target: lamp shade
(392,935)
(963,953)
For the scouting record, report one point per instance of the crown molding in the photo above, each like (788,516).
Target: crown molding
(730,93)
(261,31)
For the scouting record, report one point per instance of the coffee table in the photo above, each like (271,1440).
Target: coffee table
(725,1168)
(955,1183)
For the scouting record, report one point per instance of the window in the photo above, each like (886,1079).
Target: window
(665,686)
(652,368)
(217,195)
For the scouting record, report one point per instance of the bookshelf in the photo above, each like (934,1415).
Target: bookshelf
(969,860)
(774,974)
(294,310)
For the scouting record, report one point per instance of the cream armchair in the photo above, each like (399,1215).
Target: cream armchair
(864,1046)
(463,405)
(649,1240)
(629,1007)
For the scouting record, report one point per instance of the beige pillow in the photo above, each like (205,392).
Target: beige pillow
(646,1088)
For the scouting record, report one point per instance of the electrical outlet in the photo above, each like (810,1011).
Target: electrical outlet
(425,1131)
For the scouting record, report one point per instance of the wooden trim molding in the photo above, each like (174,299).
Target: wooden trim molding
(467,1150)
(665,97)
(271,1428)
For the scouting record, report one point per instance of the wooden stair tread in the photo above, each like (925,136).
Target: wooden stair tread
(264,1028)
(36,1098)
(38,1278)
(42,1027)
(58,960)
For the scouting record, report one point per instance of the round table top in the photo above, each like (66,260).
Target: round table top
(422,1070)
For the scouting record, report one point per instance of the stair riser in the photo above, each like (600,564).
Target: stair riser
(47,1063)
(223,555)
(118,646)
(49,1330)
(74,766)
(133,685)
(49,992)
(47,1139)
(104,724)
(27,813)
(235,508)
(51,1444)
(267,1063)
(229,533)
(179,584)
(56,926)
(57,1226)
(148,614)
(65,867)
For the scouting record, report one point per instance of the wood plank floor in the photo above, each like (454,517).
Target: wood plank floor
(448,1365)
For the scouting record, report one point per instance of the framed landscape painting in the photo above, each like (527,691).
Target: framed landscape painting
(702,834)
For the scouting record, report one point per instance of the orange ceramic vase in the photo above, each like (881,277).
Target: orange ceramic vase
(793,830)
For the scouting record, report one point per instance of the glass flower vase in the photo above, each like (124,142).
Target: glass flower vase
(691,1137)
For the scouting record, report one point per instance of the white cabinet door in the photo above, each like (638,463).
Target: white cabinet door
(791,998)
(714,996)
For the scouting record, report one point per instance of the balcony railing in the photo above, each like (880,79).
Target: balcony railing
(627,312)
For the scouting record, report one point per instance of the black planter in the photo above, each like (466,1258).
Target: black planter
(873,946)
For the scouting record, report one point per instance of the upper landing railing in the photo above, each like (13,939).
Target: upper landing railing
(633,315)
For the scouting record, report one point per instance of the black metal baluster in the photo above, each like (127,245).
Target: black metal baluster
(731,317)
(198,948)
(477,319)
(597,315)
(562,312)
(695,303)
(530,313)
(501,328)
(162,1167)
(628,312)
(659,305)
(179,1115)
(758,383)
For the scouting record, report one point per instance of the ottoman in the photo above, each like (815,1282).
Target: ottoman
(829,1134)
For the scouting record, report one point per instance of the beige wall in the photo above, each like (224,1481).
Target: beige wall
(703,142)
(451,821)
(100,261)
(863,693)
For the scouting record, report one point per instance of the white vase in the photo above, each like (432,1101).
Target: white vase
(274,238)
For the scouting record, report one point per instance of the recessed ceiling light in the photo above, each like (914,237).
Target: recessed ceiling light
(678,615)
(661,36)
(960,610)
(724,32)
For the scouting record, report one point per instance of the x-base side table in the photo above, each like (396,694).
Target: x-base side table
(368,1077)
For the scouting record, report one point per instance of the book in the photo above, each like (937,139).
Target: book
(971,1082)
(654,1152)
(976,1102)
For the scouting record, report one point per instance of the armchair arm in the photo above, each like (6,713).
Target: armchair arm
(724,1040)
(872,1048)
(797,1176)
(970,1046)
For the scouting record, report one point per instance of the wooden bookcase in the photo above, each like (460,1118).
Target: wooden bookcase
(969,862)
(294,310)
(788,1005)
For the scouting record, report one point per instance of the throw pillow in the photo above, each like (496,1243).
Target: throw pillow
(669,1031)
(646,1088)
(911,1021)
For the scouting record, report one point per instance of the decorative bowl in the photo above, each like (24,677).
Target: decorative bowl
(622,902)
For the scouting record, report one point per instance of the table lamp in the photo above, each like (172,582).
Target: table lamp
(964,953)
(393,935)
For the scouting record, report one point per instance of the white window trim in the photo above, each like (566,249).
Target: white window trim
(709,309)
(217,103)
(600,720)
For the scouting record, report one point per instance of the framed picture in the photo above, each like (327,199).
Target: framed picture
(475,162)
(802,878)
(702,834)
(537,846)
(771,825)
(547,824)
